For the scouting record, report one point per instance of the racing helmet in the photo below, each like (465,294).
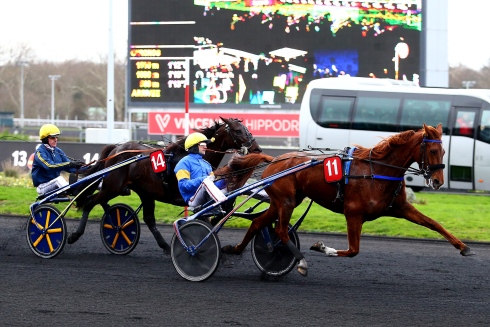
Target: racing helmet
(193,139)
(48,130)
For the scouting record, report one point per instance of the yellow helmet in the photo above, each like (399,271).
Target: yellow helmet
(193,139)
(48,130)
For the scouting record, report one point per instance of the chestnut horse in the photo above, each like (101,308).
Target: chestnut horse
(150,186)
(375,188)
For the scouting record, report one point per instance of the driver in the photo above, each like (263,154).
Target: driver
(195,175)
(50,161)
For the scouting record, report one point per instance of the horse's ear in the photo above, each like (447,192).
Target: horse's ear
(439,128)
(226,121)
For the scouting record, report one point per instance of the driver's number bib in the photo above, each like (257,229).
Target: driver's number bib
(332,169)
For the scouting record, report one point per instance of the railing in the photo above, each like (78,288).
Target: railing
(77,123)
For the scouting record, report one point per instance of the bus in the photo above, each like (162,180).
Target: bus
(345,111)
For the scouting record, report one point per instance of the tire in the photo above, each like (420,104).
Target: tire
(45,238)
(120,229)
(204,263)
(281,260)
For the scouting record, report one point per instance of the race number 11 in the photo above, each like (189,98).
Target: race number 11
(158,161)
(332,169)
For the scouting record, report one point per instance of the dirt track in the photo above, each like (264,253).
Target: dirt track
(390,283)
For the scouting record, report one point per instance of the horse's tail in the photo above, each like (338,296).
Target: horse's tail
(99,165)
(240,168)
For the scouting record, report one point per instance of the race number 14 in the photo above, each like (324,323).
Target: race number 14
(157,159)
(332,168)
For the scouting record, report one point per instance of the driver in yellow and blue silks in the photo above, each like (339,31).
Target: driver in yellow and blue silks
(195,175)
(50,161)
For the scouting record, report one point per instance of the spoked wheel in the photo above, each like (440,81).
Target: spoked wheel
(46,235)
(120,229)
(277,261)
(202,264)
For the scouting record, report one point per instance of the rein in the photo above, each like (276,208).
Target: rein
(427,172)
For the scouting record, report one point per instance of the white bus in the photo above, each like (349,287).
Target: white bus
(343,111)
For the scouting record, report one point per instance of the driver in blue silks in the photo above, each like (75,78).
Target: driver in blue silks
(50,161)
(195,175)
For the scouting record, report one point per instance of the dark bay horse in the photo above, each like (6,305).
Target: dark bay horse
(150,186)
(375,188)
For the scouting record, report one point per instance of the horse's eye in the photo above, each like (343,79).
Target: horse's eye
(238,131)
(434,152)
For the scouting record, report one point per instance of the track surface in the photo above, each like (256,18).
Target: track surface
(390,283)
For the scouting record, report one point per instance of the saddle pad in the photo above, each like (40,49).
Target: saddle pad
(158,163)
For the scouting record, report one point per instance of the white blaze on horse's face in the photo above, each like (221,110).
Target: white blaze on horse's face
(436,179)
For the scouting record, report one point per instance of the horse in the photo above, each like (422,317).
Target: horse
(139,176)
(373,187)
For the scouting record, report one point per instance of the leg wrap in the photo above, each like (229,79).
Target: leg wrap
(297,253)
(82,224)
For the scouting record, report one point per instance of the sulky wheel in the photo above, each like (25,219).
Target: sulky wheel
(46,233)
(202,264)
(277,261)
(120,229)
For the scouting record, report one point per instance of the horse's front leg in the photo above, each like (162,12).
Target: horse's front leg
(354,228)
(410,213)
(149,219)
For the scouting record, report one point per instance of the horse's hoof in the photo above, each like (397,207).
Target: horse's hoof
(467,251)
(72,238)
(303,267)
(167,250)
(303,272)
(318,246)
(228,249)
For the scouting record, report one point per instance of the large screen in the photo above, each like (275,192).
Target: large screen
(263,53)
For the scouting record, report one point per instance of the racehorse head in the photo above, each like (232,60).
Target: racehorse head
(431,155)
(233,134)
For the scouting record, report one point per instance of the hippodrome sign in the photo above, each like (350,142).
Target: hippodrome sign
(259,124)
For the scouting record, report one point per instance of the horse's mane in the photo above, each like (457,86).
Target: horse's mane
(382,149)
(240,168)
(207,130)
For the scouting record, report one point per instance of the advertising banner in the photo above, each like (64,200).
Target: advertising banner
(259,124)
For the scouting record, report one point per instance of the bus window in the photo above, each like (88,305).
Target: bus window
(376,114)
(432,112)
(484,130)
(335,112)
(464,123)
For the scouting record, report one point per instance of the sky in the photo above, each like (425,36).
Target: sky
(60,30)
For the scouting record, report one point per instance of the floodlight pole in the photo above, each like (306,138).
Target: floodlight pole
(53,78)
(187,91)
(22,64)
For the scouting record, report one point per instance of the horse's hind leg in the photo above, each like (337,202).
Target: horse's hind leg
(257,224)
(73,237)
(354,228)
(282,230)
(149,219)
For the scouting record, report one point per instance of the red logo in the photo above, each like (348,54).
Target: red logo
(158,163)
(332,168)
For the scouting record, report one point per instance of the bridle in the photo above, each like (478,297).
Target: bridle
(430,169)
(244,147)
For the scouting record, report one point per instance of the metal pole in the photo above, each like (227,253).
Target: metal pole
(22,64)
(110,80)
(53,78)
